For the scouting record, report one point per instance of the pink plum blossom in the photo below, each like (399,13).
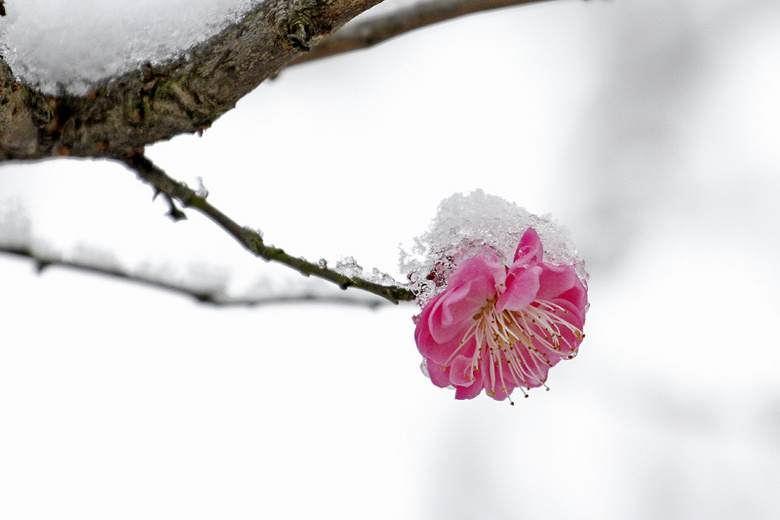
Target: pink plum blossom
(501,327)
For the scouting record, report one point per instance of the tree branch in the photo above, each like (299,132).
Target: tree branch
(189,93)
(159,102)
(121,116)
(217,297)
(367,33)
(250,239)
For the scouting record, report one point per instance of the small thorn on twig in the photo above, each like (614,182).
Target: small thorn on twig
(175,213)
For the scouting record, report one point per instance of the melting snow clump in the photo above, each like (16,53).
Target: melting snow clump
(68,46)
(349,267)
(467,225)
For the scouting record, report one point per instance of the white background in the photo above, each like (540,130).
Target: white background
(650,129)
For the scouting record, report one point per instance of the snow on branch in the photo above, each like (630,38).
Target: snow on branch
(187,94)
(159,101)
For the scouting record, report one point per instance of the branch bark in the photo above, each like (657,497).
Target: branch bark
(250,239)
(217,297)
(157,103)
(152,104)
(372,31)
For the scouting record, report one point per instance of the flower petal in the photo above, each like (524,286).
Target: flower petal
(441,353)
(478,267)
(469,392)
(555,280)
(577,295)
(461,371)
(529,251)
(522,287)
(452,310)
(449,309)
(440,376)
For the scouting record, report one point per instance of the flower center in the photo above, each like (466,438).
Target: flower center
(515,348)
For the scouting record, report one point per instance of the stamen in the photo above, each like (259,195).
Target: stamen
(539,330)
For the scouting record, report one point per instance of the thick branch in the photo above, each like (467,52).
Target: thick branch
(217,297)
(250,239)
(363,34)
(188,94)
(157,103)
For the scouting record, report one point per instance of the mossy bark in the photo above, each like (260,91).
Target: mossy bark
(124,114)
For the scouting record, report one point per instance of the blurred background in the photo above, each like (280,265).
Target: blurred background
(650,129)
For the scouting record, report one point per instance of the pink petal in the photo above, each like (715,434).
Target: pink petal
(475,268)
(452,310)
(426,344)
(555,280)
(460,371)
(459,305)
(577,295)
(422,330)
(469,392)
(530,249)
(448,309)
(441,353)
(575,316)
(440,376)
(521,290)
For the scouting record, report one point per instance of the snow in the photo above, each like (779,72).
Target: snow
(466,225)
(15,226)
(68,46)
(348,266)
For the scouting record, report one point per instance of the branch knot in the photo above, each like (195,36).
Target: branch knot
(300,30)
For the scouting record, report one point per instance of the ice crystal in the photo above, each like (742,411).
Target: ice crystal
(466,225)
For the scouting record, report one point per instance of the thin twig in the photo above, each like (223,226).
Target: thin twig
(250,239)
(212,297)
(373,30)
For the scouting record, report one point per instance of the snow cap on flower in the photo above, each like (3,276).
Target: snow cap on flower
(503,296)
